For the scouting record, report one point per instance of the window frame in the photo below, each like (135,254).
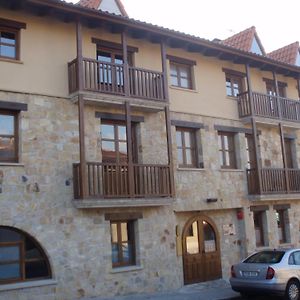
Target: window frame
(234,78)
(177,65)
(130,228)
(16,33)
(22,258)
(232,164)
(15,114)
(193,147)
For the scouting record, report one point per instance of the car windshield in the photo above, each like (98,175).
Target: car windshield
(265,257)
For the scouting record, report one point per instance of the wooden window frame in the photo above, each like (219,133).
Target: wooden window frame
(282,227)
(233,78)
(15,114)
(232,164)
(177,65)
(16,33)
(23,260)
(120,241)
(259,215)
(193,148)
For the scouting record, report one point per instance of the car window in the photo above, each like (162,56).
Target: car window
(294,258)
(265,257)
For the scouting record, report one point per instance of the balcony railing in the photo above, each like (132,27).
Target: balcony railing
(109,180)
(274,181)
(109,78)
(269,106)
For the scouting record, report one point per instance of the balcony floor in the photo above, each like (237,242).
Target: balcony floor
(274,197)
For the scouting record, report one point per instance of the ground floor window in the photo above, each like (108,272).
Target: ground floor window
(21,258)
(259,218)
(123,243)
(282,219)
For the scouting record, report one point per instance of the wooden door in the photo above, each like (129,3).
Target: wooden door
(201,251)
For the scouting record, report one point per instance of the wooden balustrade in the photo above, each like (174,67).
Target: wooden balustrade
(105,77)
(274,181)
(109,180)
(267,106)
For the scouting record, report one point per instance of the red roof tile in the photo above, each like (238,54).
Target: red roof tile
(94,4)
(243,40)
(287,54)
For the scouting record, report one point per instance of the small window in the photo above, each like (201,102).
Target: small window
(282,225)
(122,243)
(265,257)
(9,43)
(8,136)
(258,217)
(294,258)
(187,148)
(227,150)
(181,75)
(21,258)
(234,85)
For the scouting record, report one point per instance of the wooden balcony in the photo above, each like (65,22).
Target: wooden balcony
(109,78)
(268,106)
(273,181)
(142,185)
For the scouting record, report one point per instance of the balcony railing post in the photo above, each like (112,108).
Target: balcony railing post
(286,175)
(277,95)
(125,60)
(164,70)
(250,94)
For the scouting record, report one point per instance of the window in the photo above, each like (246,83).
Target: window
(234,85)
(8,136)
(271,89)
(250,151)
(258,217)
(294,258)
(21,258)
(227,150)
(181,75)
(122,243)
(9,43)
(186,147)
(282,222)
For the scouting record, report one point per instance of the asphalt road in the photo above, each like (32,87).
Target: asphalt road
(257,298)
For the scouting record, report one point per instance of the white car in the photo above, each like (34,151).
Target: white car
(271,272)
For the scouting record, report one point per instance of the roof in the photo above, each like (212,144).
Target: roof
(95,4)
(244,39)
(287,54)
(183,39)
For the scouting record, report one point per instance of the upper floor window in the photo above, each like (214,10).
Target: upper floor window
(21,258)
(8,136)
(181,75)
(227,150)
(234,82)
(186,147)
(122,243)
(271,88)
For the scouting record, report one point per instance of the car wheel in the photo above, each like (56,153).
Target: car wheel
(292,291)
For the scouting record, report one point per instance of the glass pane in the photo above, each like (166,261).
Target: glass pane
(178,139)
(184,83)
(7,235)
(123,150)
(108,147)
(188,153)
(122,133)
(10,271)
(114,233)
(36,269)
(228,91)
(8,51)
(107,132)
(192,241)
(8,38)
(236,89)
(31,251)
(222,163)
(104,56)
(227,160)
(114,253)
(225,138)
(174,81)
(220,142)
(124,232)
(173,71)
(179,156)
(209,238)
(7,125)
(184,73)
(7,147)
(187,139)
(127,252)
(119,59)
(9,253)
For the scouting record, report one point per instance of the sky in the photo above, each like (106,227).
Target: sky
(275,21)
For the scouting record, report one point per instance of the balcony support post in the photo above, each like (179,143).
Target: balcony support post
(82,168)
(249,86)
(170,153)
(287,183)
(164,68)
(258,164)
(125,60)
(277,95)
(129,150)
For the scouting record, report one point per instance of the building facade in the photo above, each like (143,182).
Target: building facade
(136,159)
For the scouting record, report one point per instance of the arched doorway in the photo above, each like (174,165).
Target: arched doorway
(201,251)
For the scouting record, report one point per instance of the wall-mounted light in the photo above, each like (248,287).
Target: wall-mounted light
(211,200)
